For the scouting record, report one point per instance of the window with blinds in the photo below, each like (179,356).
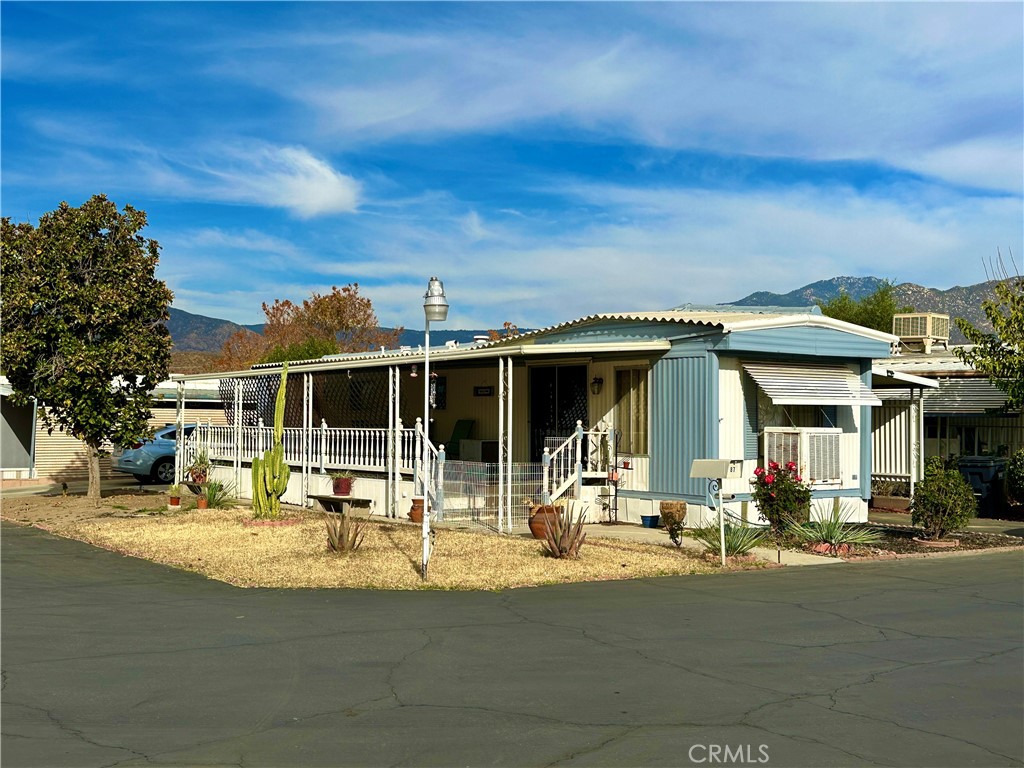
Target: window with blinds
(631,409)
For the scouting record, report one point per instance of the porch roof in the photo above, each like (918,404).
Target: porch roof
(479,351)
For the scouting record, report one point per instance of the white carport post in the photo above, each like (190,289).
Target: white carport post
(179,443)
(508,440)
(917,428)
(238,434)
(394,447)
(505,445)
(307,435)
(502,450)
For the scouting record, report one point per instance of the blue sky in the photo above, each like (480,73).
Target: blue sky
(545,160)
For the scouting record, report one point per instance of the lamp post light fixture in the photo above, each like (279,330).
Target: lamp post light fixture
(435,307)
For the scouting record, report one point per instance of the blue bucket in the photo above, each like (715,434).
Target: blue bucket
(649,521)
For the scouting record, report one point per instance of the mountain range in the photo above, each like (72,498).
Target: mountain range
(197,337)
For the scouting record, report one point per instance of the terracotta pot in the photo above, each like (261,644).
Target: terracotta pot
(202,503)
(416,512)
(342,486)
(175,501)
(540,514)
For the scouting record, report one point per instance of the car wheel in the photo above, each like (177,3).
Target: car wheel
(163,471)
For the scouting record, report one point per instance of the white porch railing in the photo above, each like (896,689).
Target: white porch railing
(583,454)
(329,448)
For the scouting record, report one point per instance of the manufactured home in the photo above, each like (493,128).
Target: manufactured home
(608,411)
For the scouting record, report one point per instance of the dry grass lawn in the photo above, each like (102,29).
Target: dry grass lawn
(218,545)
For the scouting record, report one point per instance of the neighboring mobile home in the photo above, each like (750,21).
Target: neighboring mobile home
(637,395)
(31,452)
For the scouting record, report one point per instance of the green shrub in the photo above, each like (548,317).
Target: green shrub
(1015,476)
(739,540)
(781,495)
(943,501)
(834,531)
(218,495)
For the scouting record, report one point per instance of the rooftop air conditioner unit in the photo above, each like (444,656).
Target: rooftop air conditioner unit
(920,330)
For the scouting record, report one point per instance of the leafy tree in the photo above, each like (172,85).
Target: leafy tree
(1000,355)
(340,321)
(508,330)
(872,311)
(83,322)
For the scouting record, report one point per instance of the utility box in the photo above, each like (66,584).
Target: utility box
(987,476)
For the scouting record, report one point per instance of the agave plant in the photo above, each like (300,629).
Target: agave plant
(739,540)
(563,535)
(344,534)
(835,531)
(218,495)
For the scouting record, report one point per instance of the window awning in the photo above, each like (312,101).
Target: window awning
(811,384)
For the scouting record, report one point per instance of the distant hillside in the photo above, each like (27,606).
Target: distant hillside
(198,333)
(960,301)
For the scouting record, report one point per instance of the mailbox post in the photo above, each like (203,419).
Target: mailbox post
(714,470)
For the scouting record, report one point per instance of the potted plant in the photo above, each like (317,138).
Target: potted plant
(174,492)
(416,511)
(551,513)
(198,471)
(214,494)
(341,482)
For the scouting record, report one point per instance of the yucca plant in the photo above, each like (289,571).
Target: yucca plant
(344,534)
(739,540)
(563,535)
(835,531)
(218,495)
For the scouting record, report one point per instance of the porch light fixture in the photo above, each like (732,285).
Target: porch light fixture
(413,375)
(595,385)
(435,307)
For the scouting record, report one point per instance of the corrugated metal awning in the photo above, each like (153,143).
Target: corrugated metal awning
(964,396)
(811,384)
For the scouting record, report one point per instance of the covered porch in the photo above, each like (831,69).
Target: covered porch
(508,430)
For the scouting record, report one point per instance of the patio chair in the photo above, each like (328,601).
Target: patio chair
(462,430)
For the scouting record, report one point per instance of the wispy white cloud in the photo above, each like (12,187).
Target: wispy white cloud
(279,177)
(656,249)
(906,85)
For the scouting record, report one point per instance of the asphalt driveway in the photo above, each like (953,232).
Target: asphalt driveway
(109,660)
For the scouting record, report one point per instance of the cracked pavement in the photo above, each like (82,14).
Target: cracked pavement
(112,661)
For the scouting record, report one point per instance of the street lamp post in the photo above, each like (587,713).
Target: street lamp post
(435,307)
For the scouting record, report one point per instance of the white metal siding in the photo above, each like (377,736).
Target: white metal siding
(891,434)
(730,407)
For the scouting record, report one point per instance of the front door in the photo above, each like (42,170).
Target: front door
(558,399)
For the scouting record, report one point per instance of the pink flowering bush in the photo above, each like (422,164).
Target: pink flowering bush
(781,495)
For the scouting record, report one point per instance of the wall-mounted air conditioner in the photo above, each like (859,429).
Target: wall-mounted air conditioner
(815,451)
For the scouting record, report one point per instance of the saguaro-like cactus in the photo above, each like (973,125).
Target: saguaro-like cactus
(270,474)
